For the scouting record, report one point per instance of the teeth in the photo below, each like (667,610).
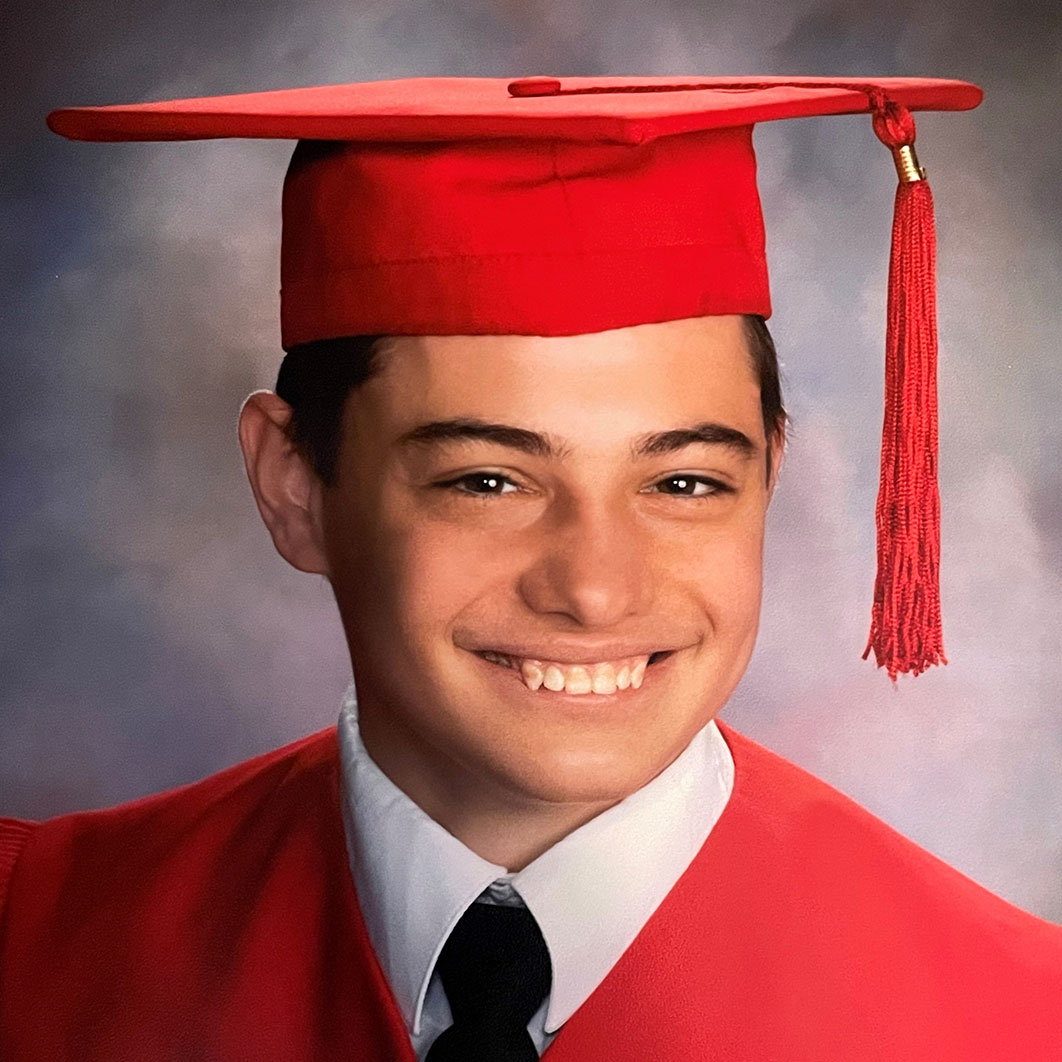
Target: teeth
(604,678)
(638,673)
(553,679)
(532,673)
(577,680)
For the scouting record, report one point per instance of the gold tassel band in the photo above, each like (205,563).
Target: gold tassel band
(907,165)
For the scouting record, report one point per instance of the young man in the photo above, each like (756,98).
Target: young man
(528,428)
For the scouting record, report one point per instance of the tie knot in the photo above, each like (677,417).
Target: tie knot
(495,969)
(495,964)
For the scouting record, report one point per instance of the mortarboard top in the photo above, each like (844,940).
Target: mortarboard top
(452,108)
(559,206)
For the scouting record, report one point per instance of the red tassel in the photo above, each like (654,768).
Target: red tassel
(905,631)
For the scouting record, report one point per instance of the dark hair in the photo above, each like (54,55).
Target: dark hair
(316,378)
(765,365)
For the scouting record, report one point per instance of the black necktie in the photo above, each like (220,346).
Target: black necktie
(496,971)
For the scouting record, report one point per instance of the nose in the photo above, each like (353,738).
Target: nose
(593,566)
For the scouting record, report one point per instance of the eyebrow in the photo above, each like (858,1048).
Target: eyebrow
(537,444)
(708,433)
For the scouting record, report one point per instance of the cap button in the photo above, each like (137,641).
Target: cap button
(534,86)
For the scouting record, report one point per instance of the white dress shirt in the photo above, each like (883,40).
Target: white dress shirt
(591,893)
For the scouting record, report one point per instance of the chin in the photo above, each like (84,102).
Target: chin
(595,775)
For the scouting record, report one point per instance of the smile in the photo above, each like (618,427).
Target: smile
(603,677)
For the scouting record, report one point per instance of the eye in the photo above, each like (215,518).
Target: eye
(481,484)
(691,486)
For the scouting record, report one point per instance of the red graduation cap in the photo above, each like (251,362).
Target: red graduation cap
(559,206)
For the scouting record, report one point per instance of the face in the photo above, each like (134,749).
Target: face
(514,513)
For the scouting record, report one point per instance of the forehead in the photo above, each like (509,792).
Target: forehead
(583,388)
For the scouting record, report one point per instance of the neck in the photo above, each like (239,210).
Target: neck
(499,824)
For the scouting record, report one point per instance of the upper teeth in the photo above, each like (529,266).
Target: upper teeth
(604,677)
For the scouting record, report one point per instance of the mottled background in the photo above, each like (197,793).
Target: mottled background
(149,633)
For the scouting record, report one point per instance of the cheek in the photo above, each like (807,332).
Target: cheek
(723,568)
(439,571)
(415,577)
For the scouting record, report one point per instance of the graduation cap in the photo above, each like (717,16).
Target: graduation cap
(560,206)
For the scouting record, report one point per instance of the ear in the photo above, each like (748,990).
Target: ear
(286,489)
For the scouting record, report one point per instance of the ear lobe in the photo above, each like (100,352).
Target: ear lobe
(286,490)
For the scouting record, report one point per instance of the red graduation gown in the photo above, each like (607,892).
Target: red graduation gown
(219,922)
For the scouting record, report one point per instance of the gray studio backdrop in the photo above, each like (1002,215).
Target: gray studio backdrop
(149,633)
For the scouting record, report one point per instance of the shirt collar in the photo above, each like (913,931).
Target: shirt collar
(591,893)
